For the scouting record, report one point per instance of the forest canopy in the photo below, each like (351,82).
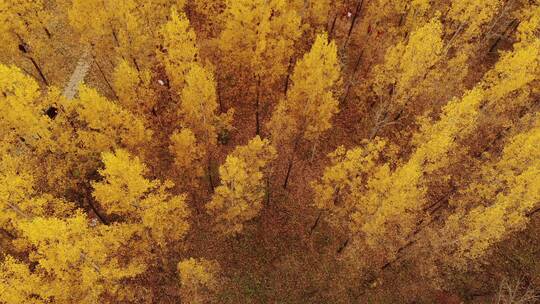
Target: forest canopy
(269,151)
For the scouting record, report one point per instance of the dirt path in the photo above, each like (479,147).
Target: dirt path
(82,68)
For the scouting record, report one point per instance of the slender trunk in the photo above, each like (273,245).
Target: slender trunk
(105,78)
(136,65)
(353,22)
(268,190)
(40,71)
(218,92)
(349,84)
(343,246)
(291,160)
(25,49)
(331,31)
(115,36)
(101,218)
(210,179)
(287,79)
(257,114)
(49,35)
(289,168)
(315,224)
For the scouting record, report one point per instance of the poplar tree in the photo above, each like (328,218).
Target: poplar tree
(201,124)
(23,28)
(400,78)
(70,250)
(125,192)
(472,16)
(178,51)
(311,103)
(21,117)
(104,125)
(240,196)
(388,203)
(189,156)
(134,88)
(198,108)
(257,43)
(127,29)
(260,35)
(503,197)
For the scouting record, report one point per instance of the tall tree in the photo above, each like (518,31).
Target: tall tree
(201,124)
(105,125)
(70,250)
(500,202)
(178,51)
(24,29)
(126,193)
(260,36)
(190,157)
(398,81)
(21,119)
(391,202)
(127,29)
(311,103)
(471,17)
(198,107)
(240,196)
(134,88)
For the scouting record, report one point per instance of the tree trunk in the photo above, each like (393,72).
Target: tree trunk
(291,160)
(210,179)
(343,246)
(332,27)
(257,114)
(287,79)
(509,29)
(220,102)
(289,168)
(38,68)
(353,22)
(101,218)
(105,78)
(268,191)
(315,224)
(136,65)
(349,84)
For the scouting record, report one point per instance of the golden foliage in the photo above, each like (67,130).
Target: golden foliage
(188,154)
(126,192)
(199,105)
(260,34)
(240,196)
(509,190)
(311,103)
(133,88)
(179,50)
(105,125)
